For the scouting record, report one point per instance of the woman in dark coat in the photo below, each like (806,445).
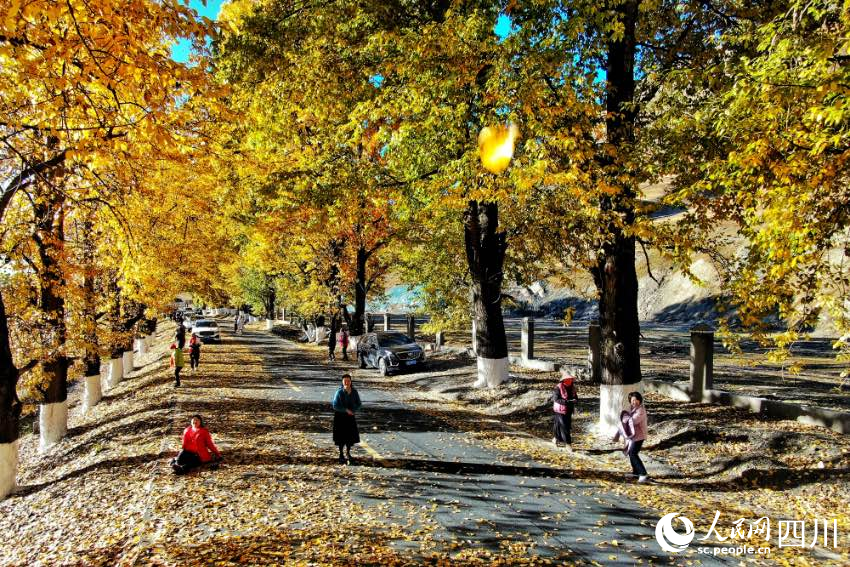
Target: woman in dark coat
(346,401)
(564,399)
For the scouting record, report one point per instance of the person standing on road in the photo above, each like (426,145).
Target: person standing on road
(346,401)
(638,421)
(564,398)
(332,337)
(343,342)
(194,352)
(236,323)
(197,447)
(180,334)
(177,358)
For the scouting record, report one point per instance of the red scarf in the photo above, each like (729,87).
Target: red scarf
(565,389)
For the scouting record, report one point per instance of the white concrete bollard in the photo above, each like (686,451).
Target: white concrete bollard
(52,424)
(702,361)
(269,324)
(527,338)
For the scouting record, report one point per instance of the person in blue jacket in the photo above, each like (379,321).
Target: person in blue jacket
(346,401)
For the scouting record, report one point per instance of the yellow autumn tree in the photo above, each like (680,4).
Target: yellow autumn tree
(90,96)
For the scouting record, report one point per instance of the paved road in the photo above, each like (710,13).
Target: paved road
(474,494)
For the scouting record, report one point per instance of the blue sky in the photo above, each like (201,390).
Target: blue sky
(180,52)
(504,26)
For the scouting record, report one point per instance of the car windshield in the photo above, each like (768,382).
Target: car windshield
(393,340)
(205,323)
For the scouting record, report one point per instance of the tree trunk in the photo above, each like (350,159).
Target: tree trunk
(133,312)
(271,298)
(615,274)
(91,356)
(50,238)
(358,318)
(485,254)
(10,410)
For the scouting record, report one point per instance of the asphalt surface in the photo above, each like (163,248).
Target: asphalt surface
(470,493)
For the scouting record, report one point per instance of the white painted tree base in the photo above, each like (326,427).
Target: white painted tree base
(142,346)
(612,400)
(321,335)
(8,468)
(93,392)
(52,424)
(491,372)
(269,324)
(114,372)
(127,363)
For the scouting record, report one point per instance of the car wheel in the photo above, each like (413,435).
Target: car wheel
(383,370)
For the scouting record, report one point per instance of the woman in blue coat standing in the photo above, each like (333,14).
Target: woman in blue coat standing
(346,401)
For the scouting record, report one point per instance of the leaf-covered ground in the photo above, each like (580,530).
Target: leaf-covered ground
(703,458)
(105,494)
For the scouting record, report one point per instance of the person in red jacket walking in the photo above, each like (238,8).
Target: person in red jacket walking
(198,448)
(564,399)
(343,341)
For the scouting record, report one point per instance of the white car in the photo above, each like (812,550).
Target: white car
(207,330)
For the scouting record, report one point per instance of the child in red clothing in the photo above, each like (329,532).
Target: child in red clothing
(197,446)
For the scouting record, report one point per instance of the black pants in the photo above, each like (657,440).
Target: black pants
(634,458)
(194,360)
(185,461)
(562,428)
(345,352)
(177,370)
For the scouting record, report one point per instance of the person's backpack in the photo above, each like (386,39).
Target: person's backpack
(559,407)
(627,426)
(562,407)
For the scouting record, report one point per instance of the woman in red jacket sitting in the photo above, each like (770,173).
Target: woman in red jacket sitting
(197,446)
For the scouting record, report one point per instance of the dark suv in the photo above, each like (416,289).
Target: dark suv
(389,352)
